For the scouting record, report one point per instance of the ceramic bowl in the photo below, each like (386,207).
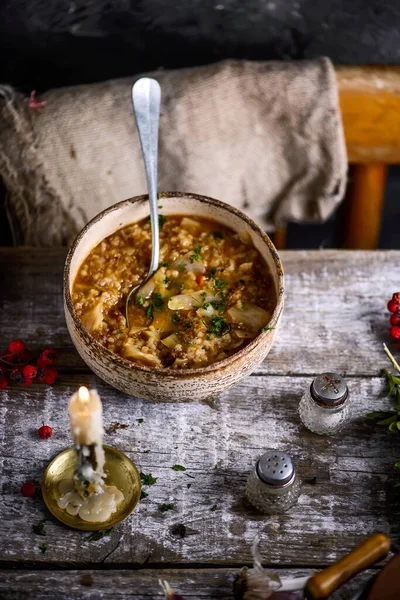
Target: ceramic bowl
(164,384)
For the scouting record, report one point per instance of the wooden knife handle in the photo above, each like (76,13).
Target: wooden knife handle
(324,583)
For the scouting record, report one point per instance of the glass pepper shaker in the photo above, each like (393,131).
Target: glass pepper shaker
(273,487)
(325,406)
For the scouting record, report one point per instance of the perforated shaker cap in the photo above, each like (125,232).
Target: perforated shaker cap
(329,390)
(275,468)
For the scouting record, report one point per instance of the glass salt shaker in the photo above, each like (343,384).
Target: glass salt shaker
(273,487)
(325,406)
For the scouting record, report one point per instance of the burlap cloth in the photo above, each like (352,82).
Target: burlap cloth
(266,137)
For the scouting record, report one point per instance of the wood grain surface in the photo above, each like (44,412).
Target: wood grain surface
(126,584)
(335,319)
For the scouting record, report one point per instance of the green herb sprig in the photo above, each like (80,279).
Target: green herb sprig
(195,257)
(39,528)
(390,418)
(148,479)
(218,326)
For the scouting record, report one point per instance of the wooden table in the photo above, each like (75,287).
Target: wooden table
(335,319)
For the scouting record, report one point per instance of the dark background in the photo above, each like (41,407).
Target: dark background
(53,43)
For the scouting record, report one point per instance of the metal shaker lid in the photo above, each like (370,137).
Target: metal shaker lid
(275,468)
(329,390)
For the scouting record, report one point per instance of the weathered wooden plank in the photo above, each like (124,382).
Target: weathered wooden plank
(335,314)
(352,495)
(138,584)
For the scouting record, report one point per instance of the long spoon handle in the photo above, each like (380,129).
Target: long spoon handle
(146,96)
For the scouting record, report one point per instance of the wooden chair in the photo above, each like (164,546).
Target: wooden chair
(370,105)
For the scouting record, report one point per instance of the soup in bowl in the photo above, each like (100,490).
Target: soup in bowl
(202,322)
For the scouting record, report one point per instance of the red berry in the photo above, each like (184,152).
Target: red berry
(48,356)
(396,297)
(16,346)
(395,333)
(393,306)
(16,375)
(45,432)
(395,319)
(29,372)
(50,375)
(3,382)
(28,489)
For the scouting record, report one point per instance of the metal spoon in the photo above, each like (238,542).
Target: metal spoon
(146,95)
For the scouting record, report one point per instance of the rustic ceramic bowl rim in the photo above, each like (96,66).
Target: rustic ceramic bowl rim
(167,371)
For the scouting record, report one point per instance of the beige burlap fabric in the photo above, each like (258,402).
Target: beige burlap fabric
(265,137)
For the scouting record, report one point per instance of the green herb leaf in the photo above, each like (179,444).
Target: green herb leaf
(182,268)
(167,280)
(165,264)
(218,326)
(43,548)
(139,300)
(219,305)
(181,287)
(157,301)
(148,479)
(388,421)
(98,535)
(219,286)
(150,311)
(196,256)
(178,468)
(117,332)
(166,506)
(267,328)
(143,495)
(214,507)
(39,527)
(140,420)
(380,414)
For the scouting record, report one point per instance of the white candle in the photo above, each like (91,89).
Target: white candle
(86,495)
(86,418)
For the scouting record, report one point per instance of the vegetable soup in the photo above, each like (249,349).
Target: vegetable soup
(212,294)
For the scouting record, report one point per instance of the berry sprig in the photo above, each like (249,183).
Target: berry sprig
(17,365)
(394,308)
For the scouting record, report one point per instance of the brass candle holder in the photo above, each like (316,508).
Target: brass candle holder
(120,471)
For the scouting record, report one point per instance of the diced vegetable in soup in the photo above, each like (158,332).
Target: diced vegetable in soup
(212,294)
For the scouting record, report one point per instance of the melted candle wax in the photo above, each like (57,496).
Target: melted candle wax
(85,411)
